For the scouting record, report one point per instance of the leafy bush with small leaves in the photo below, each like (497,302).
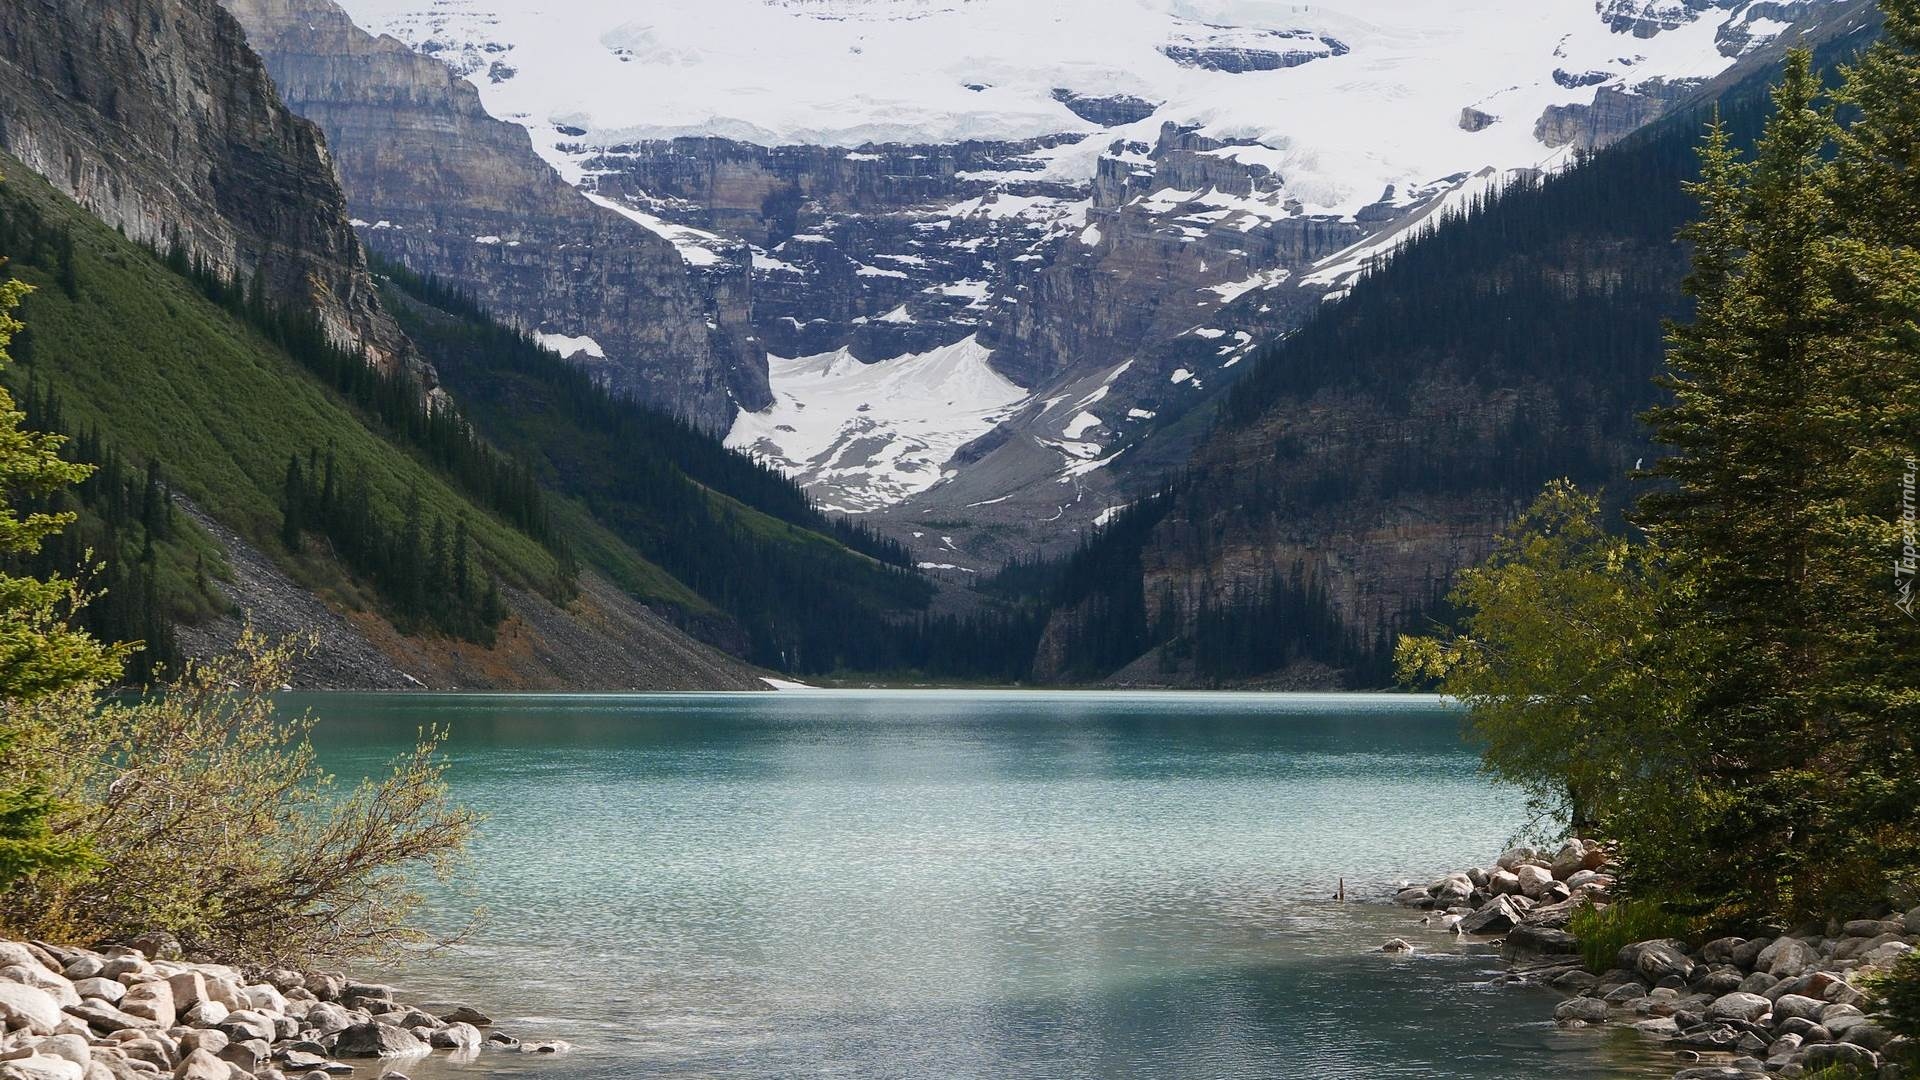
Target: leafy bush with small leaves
(209,817)
(1603,932)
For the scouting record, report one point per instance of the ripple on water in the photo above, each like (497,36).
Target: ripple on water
(959,885)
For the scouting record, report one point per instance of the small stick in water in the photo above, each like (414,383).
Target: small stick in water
(1342,894)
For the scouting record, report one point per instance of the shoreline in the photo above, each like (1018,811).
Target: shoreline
(1730,1009)
(118,1013)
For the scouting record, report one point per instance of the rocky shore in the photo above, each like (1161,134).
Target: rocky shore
(126,1013)
(1731,1009)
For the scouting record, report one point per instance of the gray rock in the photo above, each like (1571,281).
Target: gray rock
(1584,1009)
(106,1019)
(1870,1035)
(1739,1006)
(1809,1031)
(1718,1072)
(463,1014)
(206,1014)
(84,966)
(1786,957)
(1503,883)
(458,1036)
(1534,880)
(1721,951)
(1912,921)
(1623,995)
(1747,955)
(1665,1027)
(547,1046)
(1449,890)
(1515,858)
(72,1047)
(1542,940)
(1656,960)
(249,1055)
(1397,945)
(152,1000)
(1720,980)
(328,1018)
(211,1041)
(502,1040)
(201,1065)
(1574,981)
(245,1024)
(1758,983)
(1414,898)
(1846,1055)
(1497,917)
(105,989)
(1795,1006)
(375,1039)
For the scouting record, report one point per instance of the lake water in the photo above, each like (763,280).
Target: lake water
(932,884)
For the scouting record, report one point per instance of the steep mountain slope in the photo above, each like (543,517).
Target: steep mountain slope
(1113,201)
(156,117)
(436,183)
(135,352)
(1366,458)
(270,436)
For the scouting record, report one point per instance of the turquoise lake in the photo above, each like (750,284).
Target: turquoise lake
(967,884)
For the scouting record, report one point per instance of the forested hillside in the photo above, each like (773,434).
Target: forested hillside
(1367,457)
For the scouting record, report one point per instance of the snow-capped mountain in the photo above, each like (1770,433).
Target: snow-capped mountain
(1099,201)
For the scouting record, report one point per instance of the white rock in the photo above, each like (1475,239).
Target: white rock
(37,976)
(28,1006)
(41,1067)
(105,989)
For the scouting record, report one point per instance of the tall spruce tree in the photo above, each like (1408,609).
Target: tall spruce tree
(1754,513)
(40,653)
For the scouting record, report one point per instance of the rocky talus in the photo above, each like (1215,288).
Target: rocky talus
(126,1013)
(1733,1008)
(438,184)
(157,117)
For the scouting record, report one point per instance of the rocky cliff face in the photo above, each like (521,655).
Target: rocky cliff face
(157,117)
(436,183)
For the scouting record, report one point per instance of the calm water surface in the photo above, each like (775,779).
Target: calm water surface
(932,884)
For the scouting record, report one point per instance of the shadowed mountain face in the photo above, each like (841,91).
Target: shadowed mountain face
(439,185)
(156,117)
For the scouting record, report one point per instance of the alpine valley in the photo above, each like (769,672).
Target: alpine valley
(591,344)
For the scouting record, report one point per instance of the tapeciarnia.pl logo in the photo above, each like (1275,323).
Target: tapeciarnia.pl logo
(1908,563)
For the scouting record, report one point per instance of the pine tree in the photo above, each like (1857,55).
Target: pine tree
(293,505)
(40,653)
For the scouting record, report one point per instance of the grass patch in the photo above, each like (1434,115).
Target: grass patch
(1603,932)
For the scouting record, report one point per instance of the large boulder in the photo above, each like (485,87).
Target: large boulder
(459,1037)
(1656,960)
(1534,880)
(1786,957)
(152,1001)
(1843,1055)
(1497,917)
(1795,1006)
(1503,883)
(1577,855)
(1912,922)
(29,1007)
(378,1040)
(1542,940)
(1450,890)
(1515,858)
(201,1065)
(41,1067)
(1738,1006)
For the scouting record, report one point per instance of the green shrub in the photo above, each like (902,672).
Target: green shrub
(209,818)
(1603,932)
(1896,997)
